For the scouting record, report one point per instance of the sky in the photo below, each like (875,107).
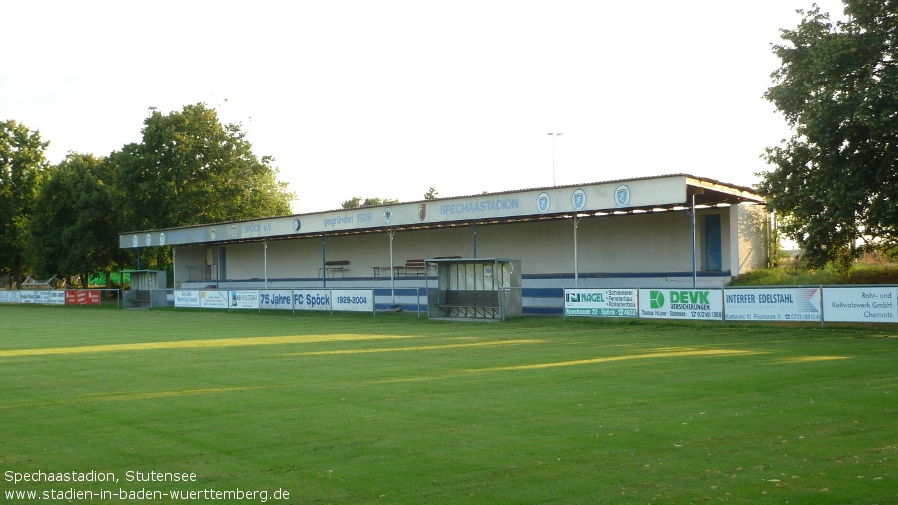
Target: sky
(387,98)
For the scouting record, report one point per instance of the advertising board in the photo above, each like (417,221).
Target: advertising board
(184,298)
(277,299)
(700,304)
(772,304)
(353,300)
(312,299)
(244,299)
(57,297)
(860,304)
(82,297)
(214,299)
(600,302)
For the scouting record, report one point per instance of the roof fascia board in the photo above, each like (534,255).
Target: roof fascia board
(661,191)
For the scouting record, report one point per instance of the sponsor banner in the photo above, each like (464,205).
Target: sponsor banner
(312,299)
(4,296)
(185,298)
(93,297)
(244,299)
(26,296)
(353,300)
(278,299)
(772,304)
(15,297)
(600,302)
(866,305)
(82,297)
(42,297)
(214,299)
(706,304)
(57,297)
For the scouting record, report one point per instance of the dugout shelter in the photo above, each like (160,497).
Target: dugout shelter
(666,231)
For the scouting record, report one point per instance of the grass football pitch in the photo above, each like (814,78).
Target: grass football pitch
(187,406)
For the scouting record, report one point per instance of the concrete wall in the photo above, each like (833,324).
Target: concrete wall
(637,244)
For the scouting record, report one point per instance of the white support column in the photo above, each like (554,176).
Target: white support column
(392,270)
(323,262)
(576,220)
(265,245)
(694,268)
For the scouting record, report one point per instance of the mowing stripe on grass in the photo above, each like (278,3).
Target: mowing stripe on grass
(167,394)
(117,397)
(416,348)
(811,359)
(675,352)
(661,353)
(193,344)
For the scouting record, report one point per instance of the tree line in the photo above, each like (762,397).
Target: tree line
(358,202)
(63,220)
(834,182)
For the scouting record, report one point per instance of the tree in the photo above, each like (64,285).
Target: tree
(190,169)
(357,202)
(835,180)
(431,194)
(75,227)
(22,168)
(353,203)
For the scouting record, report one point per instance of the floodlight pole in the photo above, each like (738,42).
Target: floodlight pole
(554,135)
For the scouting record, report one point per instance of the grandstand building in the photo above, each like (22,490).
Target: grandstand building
(666,231)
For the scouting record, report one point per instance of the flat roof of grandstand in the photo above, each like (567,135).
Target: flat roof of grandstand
(610,198)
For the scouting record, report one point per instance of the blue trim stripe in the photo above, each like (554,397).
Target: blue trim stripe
(543,293)
(543,311)
(382,292)
(624,275)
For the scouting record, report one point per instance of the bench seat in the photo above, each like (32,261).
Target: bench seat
(334,266)
(471,304)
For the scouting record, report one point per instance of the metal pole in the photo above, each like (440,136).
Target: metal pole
(323,263)
(500,279)
(427,289)
(393,270)
(694,274)
(265,245)
(723,306)
(576,221)
(474,226)
(554,135)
